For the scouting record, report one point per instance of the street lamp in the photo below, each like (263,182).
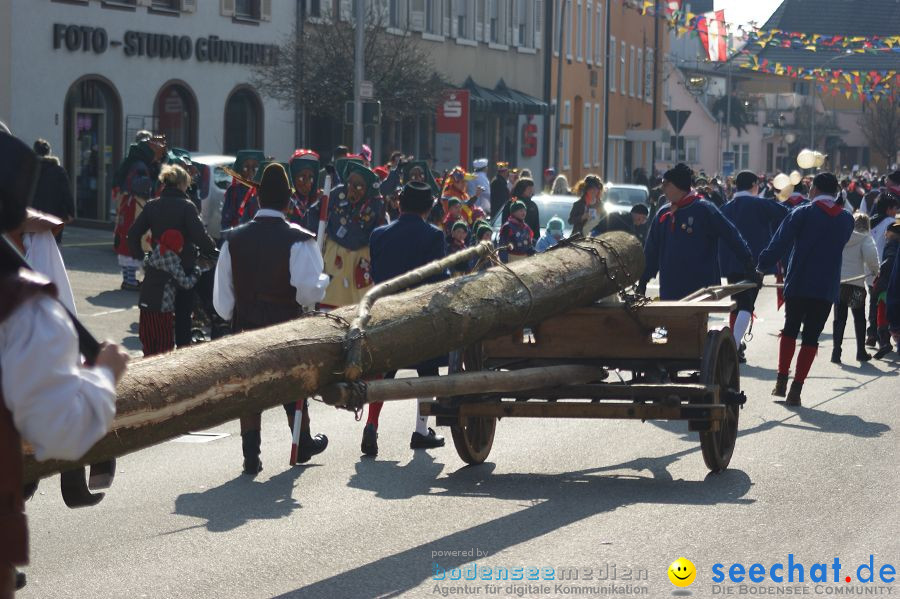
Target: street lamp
(812,97)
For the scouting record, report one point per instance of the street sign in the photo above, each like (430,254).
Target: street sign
(678,118)
(366,90)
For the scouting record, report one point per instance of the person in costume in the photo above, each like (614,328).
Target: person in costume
(480,186)
(455,187)
(268,270)
(355,209)
(516,237)
(756,219)
(859,263)
(48,397)
(500,188)
(552,236)
(812,240)
(238,195)
(133,186)
(397,248)
(304,206)
(454,215)
(682,244)
(882,281)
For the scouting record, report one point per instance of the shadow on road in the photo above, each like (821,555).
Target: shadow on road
(114,298)
(552,502)
(226,507)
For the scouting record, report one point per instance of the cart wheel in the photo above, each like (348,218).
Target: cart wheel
(720,367)
(472,436)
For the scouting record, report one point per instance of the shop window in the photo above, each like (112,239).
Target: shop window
(243,121)
(175,111)
(93,148)
(247,9)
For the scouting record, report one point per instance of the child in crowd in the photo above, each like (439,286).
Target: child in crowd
(516,237)
(163,271)
(551,236)
(454,214)
(459,233)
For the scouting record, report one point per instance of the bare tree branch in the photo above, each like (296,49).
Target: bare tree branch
(880,122)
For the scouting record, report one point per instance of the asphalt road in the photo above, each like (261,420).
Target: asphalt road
(817,482)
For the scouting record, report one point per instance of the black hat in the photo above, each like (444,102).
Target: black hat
(745,180)
(416,197)
(19,172)
(640,209)
(826,183)
(274,189)
(680,176)
(895,177)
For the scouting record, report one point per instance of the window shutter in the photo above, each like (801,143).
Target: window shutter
(417,15)
(648,75)
(227,8)
(479,20)
(346,9)
(454,21)
(188,5)
(265,10)
(446,11)
(538,23)
(515,23)
(589,33)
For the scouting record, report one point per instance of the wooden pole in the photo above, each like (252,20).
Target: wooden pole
(164,396)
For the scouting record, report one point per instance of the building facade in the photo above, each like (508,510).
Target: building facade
(88,74)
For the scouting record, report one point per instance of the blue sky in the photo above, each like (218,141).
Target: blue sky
(744,11)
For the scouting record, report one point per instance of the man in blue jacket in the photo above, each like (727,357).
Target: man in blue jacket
(682,245)
(812,239)
(756,218)
(397,248)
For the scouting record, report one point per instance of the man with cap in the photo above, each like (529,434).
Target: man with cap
(682,244)
(397,248)
(267,270)
(812,239)
(47,396)
(499,195)
(238,196)
(635,222)
(756,218)
(551,236)
(481,181)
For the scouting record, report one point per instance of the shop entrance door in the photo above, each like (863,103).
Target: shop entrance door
(89,135)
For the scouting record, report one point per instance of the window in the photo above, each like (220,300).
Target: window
(394,18)
(692,149)
(632,73)
(166,4)
(571,12)
(461,10)
(555,26)
(494,22)
(480,33)
(623,77)
(432,16)
(586,136)
(600,47)
(588,36)
(741,156)
(175,111)
(577,23)
(597,140)
(648,76)
(639,80)
(243,121)
(247,9)
(521,33)
(314,9)
(566,134)
(612,62)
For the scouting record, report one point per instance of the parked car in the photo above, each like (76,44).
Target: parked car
(548,207)
(620,198)
(213,183)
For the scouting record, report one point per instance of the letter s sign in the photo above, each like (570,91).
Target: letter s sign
(452,108)
(529,140)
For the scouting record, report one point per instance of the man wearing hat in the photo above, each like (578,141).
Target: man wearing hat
(481,181)
(756,218)
(238,195)
(500,188)
(267,270)
(635,222)
(682,244)
(811,239)
(551,236)
(397,248)
(304,169)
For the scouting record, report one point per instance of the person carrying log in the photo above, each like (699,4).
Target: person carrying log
(47,397)
(397,248)
(266,271)
(812,240)
(682,245)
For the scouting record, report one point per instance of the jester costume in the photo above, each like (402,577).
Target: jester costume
(238,196)
(455,187)
(355,209)
(133,186)
(304,171)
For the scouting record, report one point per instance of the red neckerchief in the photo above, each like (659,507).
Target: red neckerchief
(247,196)
(828,205)
(794,199)
(894,189)
(687,200)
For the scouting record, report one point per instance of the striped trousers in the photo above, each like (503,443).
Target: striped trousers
(156,331)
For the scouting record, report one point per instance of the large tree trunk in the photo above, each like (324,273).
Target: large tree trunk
(168,395)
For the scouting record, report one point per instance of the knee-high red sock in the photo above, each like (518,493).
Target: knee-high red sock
(374,412)
(731,318)
(881,314)
(804,361)
(786,354)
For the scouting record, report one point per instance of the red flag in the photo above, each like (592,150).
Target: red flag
(714,35)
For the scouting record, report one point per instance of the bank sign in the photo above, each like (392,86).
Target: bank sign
(162,46)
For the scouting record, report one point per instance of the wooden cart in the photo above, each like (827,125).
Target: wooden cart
(676,369)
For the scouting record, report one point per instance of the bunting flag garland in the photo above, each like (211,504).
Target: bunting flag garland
(871,85)
(714,35)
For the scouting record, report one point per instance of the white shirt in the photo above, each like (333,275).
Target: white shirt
(42,253)
(59,407)
(306,273)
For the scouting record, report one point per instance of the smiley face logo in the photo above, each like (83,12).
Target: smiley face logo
(682,572)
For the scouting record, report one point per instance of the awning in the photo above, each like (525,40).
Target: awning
(503,100)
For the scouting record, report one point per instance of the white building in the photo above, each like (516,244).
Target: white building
(87,74)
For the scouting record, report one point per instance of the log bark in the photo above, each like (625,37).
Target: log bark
(205,385)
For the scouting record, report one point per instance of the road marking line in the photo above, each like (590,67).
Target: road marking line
(86,244)
(108,312)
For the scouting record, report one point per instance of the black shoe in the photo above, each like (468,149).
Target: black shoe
(252,466)
(20,580)
(130,286)
(863,356)
(311,446)
(871,341)
(429,441)
(370,441)
(780,389)
(883,351)
(836,356)
(793,397)
(742,358)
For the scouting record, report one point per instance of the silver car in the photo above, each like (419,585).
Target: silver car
(214,181)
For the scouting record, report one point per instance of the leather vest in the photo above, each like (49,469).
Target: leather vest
(261,268)
(15,289)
